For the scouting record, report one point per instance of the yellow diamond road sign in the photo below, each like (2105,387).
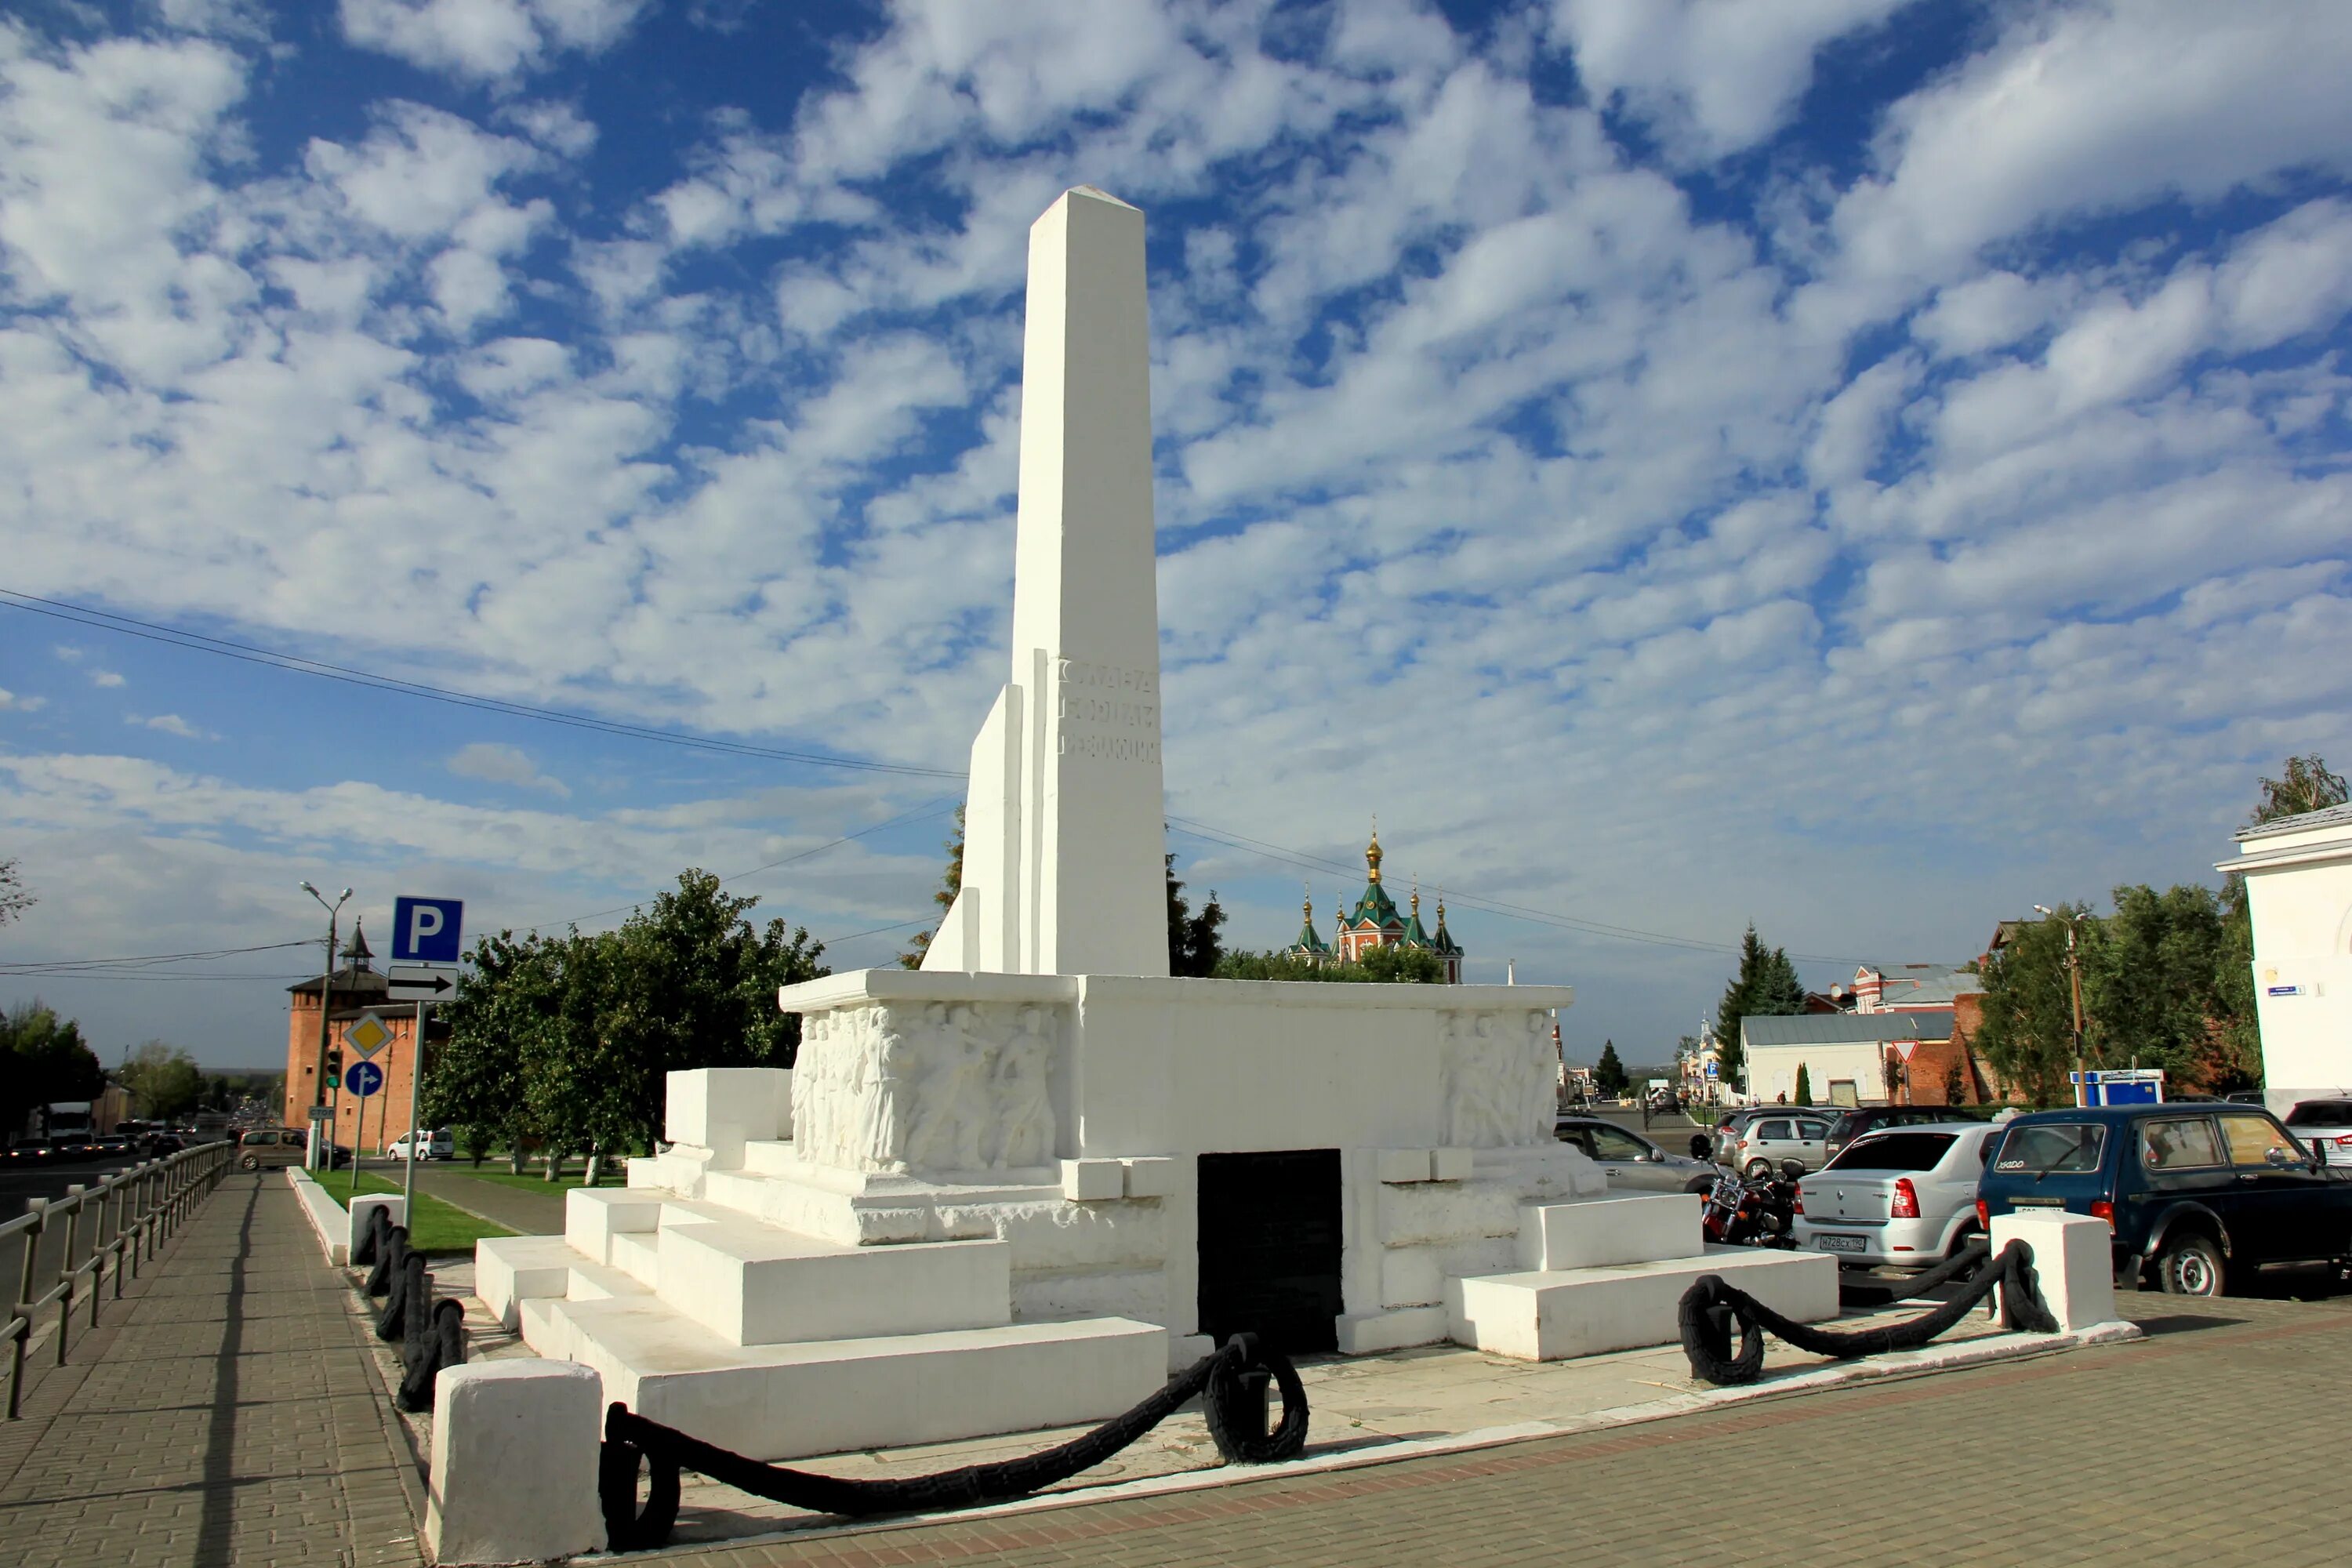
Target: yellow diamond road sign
(368,1035)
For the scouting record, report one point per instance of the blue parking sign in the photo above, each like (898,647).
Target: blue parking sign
(426,931)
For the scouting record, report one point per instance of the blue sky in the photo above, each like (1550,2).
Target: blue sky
(1862,467)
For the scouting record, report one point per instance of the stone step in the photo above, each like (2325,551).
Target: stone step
(638,1256)
(587,1280)
(754,1284)
(1549,1315)
(792,1401)
(1602,1233)
(594,1217)
(511,1269)
(768,1155)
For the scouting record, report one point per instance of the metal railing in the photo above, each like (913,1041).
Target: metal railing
(131,1214)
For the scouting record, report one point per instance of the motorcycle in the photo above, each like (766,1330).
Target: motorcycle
(1742,1213)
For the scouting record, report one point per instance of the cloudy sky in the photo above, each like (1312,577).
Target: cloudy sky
(1858,466)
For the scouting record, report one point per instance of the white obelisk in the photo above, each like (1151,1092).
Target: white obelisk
(1063,869)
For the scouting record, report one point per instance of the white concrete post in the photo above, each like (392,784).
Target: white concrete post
(396,1208)
(514,1463)
(2073,1262)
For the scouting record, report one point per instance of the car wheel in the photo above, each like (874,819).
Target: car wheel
(251,1161)
(1759,1169)
(2190,1266)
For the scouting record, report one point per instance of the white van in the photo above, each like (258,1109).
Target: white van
(440,1143)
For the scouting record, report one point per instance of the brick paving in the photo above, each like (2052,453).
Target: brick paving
(2211,1442)
(227,1411)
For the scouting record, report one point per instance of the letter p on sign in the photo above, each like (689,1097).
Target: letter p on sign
(426,931)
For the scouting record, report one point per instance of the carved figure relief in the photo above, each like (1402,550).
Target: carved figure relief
(1496,1071)
(938,1087)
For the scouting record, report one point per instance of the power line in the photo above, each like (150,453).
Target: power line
(126,625)
(134,961)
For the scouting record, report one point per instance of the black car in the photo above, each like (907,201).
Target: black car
(1871,1117)
(2200,1196)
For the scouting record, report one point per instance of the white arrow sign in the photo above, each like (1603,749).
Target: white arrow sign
(417,982)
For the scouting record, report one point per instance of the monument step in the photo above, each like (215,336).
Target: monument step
(1601,1233)
(587,1280)
(1550,1315)
(754,1284)
(638,1256)
(594,1217)
(792,1401)
(769,1156)
(511,1269)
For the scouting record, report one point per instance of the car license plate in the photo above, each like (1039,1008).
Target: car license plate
(1840,1243)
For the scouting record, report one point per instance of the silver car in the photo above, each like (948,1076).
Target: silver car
(1904,1196)
(1759,1148)
(1633,1164)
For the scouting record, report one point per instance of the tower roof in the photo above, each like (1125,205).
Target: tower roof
(356,950)
(1375,907)
(1309,941)
(1444,941)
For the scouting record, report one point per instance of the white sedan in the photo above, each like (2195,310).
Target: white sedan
(1905,1197)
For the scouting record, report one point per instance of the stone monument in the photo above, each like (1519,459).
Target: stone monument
(1015,1188)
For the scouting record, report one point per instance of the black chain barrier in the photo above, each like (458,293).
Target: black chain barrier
(1710,1310)
(1231,1384)
(1960,1264)
(430,1334)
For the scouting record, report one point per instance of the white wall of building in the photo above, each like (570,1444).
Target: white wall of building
(1772,1071)
(2299,889)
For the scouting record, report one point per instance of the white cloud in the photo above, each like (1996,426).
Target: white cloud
(485,40)
(11,702)
(496,764)
(106,677)
(171,725)
(1713,77)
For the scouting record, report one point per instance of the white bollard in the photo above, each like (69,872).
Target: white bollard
(2073,1262)
(514,1462)
(397,1208)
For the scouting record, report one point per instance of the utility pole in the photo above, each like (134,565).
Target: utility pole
(2074,991)
(326,1000)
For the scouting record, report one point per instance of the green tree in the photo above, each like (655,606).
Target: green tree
(1195,945)
(1609,1072)
(2160,989)
(163,1079)
(43,1061)
(1765,986)
(2028,1029)
(2307,786)
(950,884)
(1804,1085)
(473,1079)
(1416,966)
(14,899)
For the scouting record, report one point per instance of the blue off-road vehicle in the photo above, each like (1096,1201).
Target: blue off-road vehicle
(2201,1196)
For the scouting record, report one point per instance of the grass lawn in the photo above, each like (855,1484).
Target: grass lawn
(434,1226)
(528,1182)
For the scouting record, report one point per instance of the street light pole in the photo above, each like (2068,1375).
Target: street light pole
(2074,992)
(326,998)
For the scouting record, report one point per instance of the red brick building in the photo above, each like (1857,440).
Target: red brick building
(358,989)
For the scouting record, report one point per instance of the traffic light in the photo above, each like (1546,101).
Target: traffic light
(334,1061)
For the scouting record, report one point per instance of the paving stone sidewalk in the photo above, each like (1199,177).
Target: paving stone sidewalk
(227,1411)
(2210,1442)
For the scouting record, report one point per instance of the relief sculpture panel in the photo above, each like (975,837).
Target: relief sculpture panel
(927,1088)
(1501,1076)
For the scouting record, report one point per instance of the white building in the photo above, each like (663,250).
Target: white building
(2298,873)
(1843,1055)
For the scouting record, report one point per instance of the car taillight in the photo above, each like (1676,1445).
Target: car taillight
(2101,1209)
(1906,1199)
(1984,1214)
(1801,1200)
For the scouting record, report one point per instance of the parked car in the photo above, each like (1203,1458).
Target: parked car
(2325,1127)
(271,1148)
(1904,1196)
(1851,1125)
(441,1143)
(2199,1197)
(1632,1161)
(1760,1147)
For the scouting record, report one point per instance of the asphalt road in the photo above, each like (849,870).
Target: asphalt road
(16,1188)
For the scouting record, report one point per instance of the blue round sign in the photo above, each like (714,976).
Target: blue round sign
(363,1078)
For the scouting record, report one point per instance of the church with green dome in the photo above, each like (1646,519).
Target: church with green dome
(1376,922)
